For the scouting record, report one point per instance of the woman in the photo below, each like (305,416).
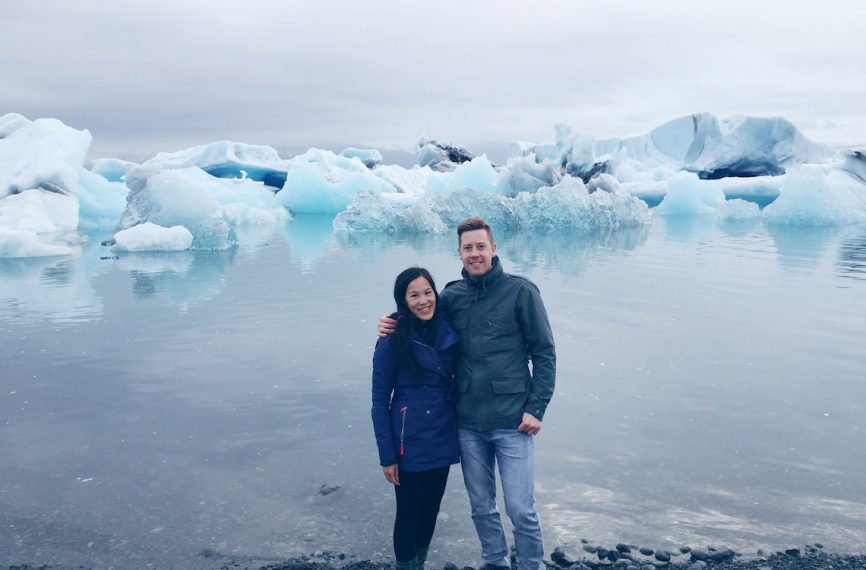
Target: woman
(413,412)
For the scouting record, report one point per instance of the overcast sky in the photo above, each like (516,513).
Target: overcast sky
(152,75)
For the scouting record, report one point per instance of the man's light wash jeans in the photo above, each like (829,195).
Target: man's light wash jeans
(480,451)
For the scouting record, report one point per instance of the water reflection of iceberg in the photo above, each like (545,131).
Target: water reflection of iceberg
(182,278)
(566,252)
(852,258)
(801,247)
(56,289)
(310,237)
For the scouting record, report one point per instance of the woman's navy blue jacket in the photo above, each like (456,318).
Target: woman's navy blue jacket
(414,418)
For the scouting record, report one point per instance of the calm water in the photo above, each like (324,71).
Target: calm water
(711,391)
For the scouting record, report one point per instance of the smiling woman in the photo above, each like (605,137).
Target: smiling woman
(413,412)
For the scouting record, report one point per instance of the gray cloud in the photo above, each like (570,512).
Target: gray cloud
(145,76)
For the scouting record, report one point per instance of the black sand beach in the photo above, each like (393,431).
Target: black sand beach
(592,557)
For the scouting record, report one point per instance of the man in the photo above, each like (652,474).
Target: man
(502,325)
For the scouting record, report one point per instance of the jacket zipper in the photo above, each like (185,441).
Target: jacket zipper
(403,429)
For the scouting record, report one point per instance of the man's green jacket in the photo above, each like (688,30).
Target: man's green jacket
(503,326)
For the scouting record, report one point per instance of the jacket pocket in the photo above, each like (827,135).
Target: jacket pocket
(509,385)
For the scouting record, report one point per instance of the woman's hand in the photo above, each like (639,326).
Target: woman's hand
(392,474)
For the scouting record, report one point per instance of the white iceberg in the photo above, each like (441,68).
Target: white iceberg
(178,197)
(818,196)
(151,237)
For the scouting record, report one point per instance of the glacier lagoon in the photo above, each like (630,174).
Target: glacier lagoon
(185,409)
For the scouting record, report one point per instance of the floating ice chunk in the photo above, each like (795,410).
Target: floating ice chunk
(112,169)
(25,243)
(39,211)
(320,182)
(11,122)
(684,139)
(755,146)
(370,157)
(101,202)
(151,237)
(855,164)
(245,215)
(759,189)
(228,159)
(441,156)
(569,206)
(40,154)
(814,195)
(738,210)
(566,206)
(605,183)
(477,174)
(178,197)
(525,174)
(405,180)
(247,202)
(219,152)
(687,194)
(374,212)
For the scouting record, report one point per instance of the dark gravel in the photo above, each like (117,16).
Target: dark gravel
(809,557)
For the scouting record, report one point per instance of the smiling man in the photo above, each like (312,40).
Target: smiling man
(501,401)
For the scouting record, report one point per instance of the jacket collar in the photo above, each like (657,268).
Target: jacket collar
(445,335)
(485,281)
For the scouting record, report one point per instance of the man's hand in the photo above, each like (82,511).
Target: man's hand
(392,474)
(529,425)
(387,325)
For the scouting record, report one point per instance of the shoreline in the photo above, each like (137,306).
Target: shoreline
(591,557)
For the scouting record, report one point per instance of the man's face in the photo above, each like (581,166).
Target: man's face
(476,252)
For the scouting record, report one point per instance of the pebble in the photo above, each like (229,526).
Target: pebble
(699,565)
(602,552)
(722,555)
(623,548)
(647,551)
(663,556)
(328,489)
(560,558)
(685,549)
(795,552)
(589,548)
(699,554)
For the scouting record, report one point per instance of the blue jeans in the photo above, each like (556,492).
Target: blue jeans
(480,451)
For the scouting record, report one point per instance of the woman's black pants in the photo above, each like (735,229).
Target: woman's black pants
(418,497)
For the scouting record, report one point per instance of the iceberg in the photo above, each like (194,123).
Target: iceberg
(818,196)
(567,206)
(321,182)
(26,243)
(370,157)
(151,237)
(440,156)
(736,168)
(177,197)
(227,159)
(46,195)
(42,154)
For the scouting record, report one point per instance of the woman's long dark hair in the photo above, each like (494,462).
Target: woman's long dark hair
(407,323)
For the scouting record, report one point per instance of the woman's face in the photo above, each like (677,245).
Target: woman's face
(421,299)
